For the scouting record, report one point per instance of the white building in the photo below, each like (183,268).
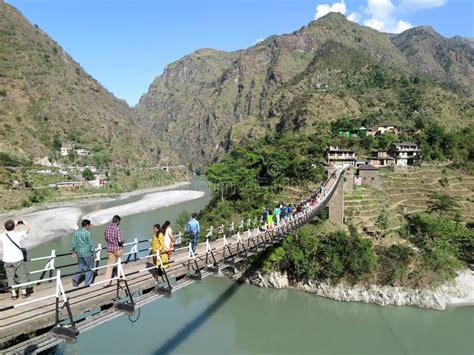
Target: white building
(405,154)
(340,157)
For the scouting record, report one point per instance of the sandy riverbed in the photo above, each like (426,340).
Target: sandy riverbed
(54,222)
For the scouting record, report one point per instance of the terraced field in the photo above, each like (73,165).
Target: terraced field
(405,193)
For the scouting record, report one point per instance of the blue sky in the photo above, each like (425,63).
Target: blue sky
(125,44)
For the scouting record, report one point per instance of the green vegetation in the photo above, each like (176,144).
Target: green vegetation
(88,174)
(425,249)
(263,173)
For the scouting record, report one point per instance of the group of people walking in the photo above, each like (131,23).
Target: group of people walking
(83,249)
(283,212)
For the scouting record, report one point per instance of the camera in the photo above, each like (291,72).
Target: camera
(19,222)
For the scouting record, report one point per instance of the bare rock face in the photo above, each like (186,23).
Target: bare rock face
(381,295)
(459,292)
(209,101)
(276,280)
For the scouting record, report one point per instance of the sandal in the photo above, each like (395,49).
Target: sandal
(24,295)
(14,296)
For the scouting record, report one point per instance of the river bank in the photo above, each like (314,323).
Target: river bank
(459,292)
(53,222)
(81,201)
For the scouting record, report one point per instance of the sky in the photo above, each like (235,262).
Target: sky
(125,44)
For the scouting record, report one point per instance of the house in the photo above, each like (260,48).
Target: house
(369,175)
(405,154)
(99,181)
(361,162)
(339,157)
(342,132)
(387,127)
(381,158)
(67,184)
(67,148)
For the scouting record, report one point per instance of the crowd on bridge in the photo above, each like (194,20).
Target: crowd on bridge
(82,248)
(162,244)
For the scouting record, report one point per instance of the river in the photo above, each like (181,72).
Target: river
(218,316)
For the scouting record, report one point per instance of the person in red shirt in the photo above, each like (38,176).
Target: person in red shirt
(113,237)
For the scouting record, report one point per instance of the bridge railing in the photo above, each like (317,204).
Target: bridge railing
(245,243)
(135,250)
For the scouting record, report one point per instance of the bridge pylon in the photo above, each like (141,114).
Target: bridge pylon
(336,203)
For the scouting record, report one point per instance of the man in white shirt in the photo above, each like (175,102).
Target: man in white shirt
(15,267)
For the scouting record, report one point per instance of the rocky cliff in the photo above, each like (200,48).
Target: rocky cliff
(211,100)
(45,94)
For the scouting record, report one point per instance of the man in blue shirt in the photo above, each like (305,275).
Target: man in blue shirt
(193,230)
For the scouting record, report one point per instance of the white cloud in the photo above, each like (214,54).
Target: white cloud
(421,4)
(382,15)
(324,9)
(403,26)
(354,17)
(258,41)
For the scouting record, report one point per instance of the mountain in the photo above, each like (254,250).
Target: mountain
(45,95)
(211,100)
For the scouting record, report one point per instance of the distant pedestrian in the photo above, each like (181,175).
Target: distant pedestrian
(266,211)
(113,237)
(276,215)
(169,237)
(83,249)
(158,246)
(270,221)
(13,257)
(194,229)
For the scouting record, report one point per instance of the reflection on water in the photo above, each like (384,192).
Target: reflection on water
(218,316)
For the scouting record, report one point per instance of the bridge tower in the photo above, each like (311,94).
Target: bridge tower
(336,203)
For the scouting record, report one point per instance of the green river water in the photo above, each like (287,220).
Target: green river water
(218,316)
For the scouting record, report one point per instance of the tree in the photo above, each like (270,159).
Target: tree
(382,222)
(100,160)
(88,174)
(442,204)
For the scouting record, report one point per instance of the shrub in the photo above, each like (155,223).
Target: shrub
(394,264)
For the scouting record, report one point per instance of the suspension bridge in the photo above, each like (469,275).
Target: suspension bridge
(58,312)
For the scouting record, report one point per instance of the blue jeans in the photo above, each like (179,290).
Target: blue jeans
(194,240)
(84,263)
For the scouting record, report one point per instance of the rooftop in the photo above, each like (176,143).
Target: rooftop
(368,167)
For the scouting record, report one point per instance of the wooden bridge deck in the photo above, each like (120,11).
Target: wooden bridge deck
(39,316)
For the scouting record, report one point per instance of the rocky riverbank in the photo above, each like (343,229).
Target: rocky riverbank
(458,292)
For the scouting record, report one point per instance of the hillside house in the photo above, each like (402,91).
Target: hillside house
(369,175)
(67,148)
(339,157)
(381,158)
(387,127)
(405,154)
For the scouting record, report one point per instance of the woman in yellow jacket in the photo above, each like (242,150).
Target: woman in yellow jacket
(158,245)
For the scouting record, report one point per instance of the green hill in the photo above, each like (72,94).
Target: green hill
(45,95)
(210,101)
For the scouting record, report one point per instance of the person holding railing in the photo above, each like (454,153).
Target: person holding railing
(113,237)
(83,249)
(14,256)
